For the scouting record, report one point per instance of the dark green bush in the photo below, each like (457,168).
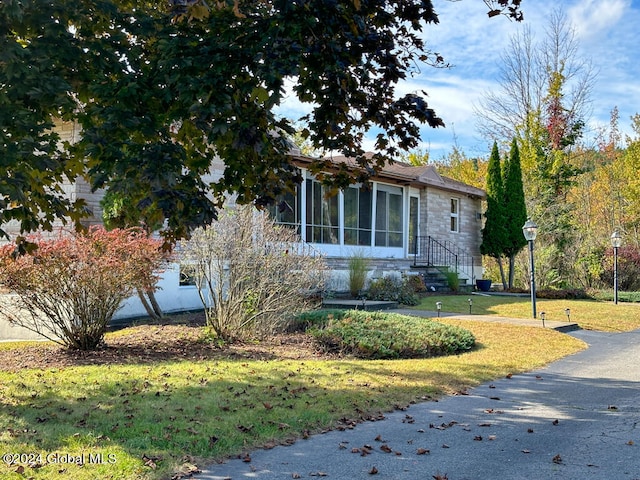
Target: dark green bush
(565,294)
(393,289)
(380,335)
(314,319)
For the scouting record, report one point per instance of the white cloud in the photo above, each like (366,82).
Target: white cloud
(590,17)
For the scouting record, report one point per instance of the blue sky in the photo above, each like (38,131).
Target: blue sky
(606,30)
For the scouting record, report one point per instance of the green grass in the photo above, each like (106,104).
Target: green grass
(589,314)
(153,420)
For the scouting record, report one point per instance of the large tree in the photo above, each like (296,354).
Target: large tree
(161,88)
(515,208)
(494,232)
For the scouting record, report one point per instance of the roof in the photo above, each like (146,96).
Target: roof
(405,174)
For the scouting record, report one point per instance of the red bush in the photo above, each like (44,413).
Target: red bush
(68,288)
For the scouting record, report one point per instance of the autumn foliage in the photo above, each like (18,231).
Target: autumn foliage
(252,275)
(69,287)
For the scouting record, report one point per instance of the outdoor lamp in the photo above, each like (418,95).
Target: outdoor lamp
(438,307)
(616,242)
(470,304)
(542,317)
(567,312)
(530,231)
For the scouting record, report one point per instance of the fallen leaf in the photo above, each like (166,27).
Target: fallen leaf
(478,438)
(386,449)
(295,475)
(612,407)
(378,438)
(557,459)
(630,442)
(246,458)
(526,451)
(373,471)
(422,451)
(509,375)
(529,430)
(556,422)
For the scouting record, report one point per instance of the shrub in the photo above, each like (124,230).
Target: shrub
(252,275)
(358,266)
(563,294)
(416,283)
(68,288)
(453,280)
(390,335)
(314,319)
(393,289)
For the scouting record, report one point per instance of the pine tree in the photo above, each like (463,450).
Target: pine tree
(515,210)
(494,232)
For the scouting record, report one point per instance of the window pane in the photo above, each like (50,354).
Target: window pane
(350,208)
(395,213)
(413,223)
(365,209)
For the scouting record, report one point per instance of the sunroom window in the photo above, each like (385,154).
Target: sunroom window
(357,216)
(322,214)
(388,216)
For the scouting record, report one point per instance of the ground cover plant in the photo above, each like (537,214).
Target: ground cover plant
(588,314)
(377,335)
(161,400)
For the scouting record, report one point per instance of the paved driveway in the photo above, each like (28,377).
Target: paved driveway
(577,419)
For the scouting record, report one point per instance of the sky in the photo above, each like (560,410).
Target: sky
(607,34)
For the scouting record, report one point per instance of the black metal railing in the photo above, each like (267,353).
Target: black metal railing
(430,252)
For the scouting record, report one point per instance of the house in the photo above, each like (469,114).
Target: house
(407,220)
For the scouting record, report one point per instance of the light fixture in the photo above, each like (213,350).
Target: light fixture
(616,243)
(530,231)
(542,316)
(470,304)
(438,307)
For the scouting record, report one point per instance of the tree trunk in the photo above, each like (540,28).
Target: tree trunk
(502,276)
(150,304)
(512,261)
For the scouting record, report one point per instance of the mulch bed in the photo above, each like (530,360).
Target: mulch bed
(158,343)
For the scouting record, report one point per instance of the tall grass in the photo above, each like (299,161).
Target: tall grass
(358,267)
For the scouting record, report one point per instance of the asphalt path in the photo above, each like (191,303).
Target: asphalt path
(577,419)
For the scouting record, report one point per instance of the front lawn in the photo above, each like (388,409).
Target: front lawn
(589,314)
(162,402)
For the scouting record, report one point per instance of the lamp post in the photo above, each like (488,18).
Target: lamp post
(616,242)
(530,231)
(470,305)
(438,307)
(567,312)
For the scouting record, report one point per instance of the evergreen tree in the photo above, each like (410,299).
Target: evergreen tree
(515,210)
(494,232)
